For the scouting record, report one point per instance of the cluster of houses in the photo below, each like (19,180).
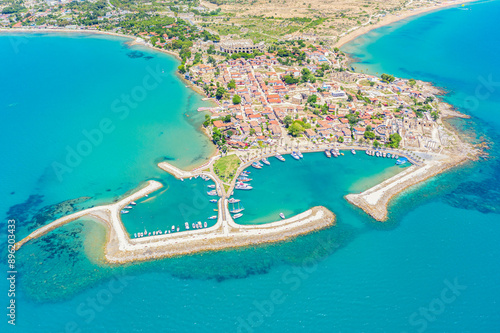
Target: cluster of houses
(266,100)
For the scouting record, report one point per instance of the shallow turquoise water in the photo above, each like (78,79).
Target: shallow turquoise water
(357,276)
(173,205)
(294,186)
(89,116)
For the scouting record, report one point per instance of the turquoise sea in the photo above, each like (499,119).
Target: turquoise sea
(432,267)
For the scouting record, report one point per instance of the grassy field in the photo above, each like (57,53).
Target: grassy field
(226,167)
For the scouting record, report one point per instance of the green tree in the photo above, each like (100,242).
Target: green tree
(376,144)
(295,129)
(231,85)
(182,69)
(312,99)
(369,135)
(388,78)
(220,92)
(287,121)
(394,140)
(340,139)
(236,99)
(412,82)
(435,115)
(252,131)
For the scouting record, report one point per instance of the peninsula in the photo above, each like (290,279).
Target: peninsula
(294,92)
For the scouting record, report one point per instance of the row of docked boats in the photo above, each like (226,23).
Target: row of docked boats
(297,155)
(333,152)
(379,153)
(399,160)
(129,206)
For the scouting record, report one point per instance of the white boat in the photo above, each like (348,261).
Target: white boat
(237,210)
(187,225)
(212,193)
(279,157)
(237,216)
(232,200)
(295,156)
(211,186)
(353,151)
(212,217)
(213,200)
(265,161)
(327,153)
(299,154)
(133,203)
(204,224)
(243,186)
(124,211)
(256,165)
(282,215)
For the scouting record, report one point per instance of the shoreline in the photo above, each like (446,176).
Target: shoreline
(389,19)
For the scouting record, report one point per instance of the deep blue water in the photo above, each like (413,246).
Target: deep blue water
(432,267)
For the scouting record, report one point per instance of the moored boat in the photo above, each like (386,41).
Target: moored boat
(237,216)
(282,215)
(133,203)
(353,151)
(211,186)
(327,153)
(295,156)
(233,200)
(212,217)
(299,154)
(279,157)
(212,193)
(265,161)
(213,200)
(256,166)
(124,211)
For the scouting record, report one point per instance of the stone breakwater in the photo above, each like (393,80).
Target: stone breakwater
(375,200)
(225,234)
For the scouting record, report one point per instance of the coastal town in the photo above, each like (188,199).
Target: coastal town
(294,95)
(299,89)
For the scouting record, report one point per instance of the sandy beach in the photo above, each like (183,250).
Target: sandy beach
(391,18)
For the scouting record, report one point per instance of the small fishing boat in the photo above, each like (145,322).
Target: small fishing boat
(211,186)
(242,186)
(295,156)
(204,224)
(279,157)
(212,217)
(265,161)
(133,203)
(353,151)
(186,225)
(212,193)
(232,200)
(213,200)
(401,161)
(256,166)
(124,211)
(327,153)
(244,179)
(128,207)
(173,227)
(282,215)
(299,154)
(237,216)
(237,210)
